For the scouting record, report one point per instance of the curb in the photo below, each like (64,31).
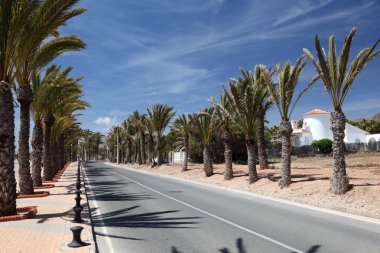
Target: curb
(39,194)
(27,213)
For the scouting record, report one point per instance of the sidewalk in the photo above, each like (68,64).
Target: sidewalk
(49,231)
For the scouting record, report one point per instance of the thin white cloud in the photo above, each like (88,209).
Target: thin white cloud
(301,8)
(105,121)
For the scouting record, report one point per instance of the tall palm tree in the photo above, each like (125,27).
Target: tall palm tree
(98,140)
(205,126)
(150,129)
(244,100)
(225,116)
(37,135)
(182,129)
(337,82)
(139,122)
(129,131)
(13,19)
(35,52)
(161,116)
(59,90)
(282,94)
(265,103)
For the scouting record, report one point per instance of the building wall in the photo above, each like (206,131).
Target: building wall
(354,134)
(177,157)
(319,125)
(373,137)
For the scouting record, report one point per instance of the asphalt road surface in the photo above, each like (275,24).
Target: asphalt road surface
(140,212)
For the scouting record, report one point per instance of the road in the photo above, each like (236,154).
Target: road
(142,212)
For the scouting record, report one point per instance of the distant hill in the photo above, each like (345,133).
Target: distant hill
(376,116)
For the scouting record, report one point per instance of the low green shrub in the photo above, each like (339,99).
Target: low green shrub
(324,145)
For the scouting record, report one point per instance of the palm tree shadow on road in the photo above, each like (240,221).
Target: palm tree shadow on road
(242,249)
(125,218)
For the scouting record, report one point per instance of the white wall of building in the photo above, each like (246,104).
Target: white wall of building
(319,125)
(372,137)
(177,157)
(354,134)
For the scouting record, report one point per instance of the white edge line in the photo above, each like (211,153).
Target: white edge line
(103,225)
(325,210)
(214,216)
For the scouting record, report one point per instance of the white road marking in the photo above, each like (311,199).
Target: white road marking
(97,212)
(214,216)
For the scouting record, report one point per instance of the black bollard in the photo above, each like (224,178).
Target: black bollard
(77,241)
(78,198)
(77,186)
(77,212)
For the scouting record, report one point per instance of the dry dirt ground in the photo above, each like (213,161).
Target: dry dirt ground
(310,181)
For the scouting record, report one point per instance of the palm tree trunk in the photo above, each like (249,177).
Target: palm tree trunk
(251,159)
(25,98)
(286,132)
(160,146)
(207,161)
(151,148)
(37,146)
(47,157)
(7,153)
(54,156)
(129,151)
(138,153)
(263,158)
(339,181)
(142,145)
(228,172)
(184,165)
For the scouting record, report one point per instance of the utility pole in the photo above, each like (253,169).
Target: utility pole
(117,147)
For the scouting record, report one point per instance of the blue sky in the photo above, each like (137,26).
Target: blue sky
(181,52)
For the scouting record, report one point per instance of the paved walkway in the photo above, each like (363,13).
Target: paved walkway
(49,231)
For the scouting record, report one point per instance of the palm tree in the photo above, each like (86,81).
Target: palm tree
(150,128)
(129,131)
(265,103)
(244,100)
(225,116)
(182,128)
(98,140)
(58,91)
(337,82)
(14,17)
(205,126)
(33,54)
(282,94)
(139,122)
(161,116)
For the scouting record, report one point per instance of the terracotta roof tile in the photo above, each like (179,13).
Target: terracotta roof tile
(316,111)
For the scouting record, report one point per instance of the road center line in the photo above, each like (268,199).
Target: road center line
(213,215)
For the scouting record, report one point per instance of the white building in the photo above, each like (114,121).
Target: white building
(316,125)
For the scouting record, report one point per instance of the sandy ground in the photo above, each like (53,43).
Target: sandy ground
(310,182)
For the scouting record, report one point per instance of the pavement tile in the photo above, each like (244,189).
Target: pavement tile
(49,231)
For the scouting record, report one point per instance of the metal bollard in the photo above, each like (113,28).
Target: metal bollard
(77,186)
(77,213)
(77,241)
(78,198)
